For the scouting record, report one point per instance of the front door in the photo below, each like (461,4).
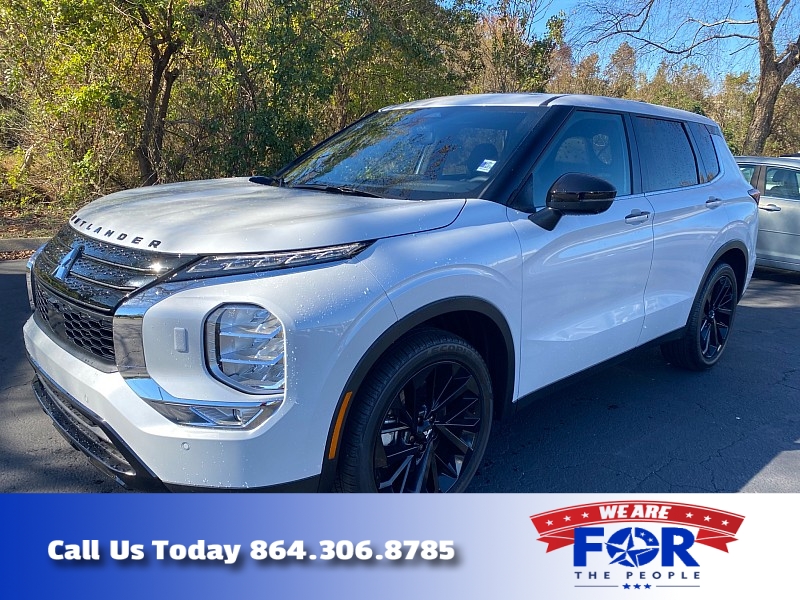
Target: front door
(583,282)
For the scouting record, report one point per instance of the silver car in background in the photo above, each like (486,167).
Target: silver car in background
(778,180)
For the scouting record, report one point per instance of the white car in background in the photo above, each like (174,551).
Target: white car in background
(357,321)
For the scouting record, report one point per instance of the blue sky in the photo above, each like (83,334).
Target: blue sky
(729,57)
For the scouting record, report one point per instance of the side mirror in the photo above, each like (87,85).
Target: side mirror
(575,193)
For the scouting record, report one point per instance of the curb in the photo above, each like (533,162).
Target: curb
(17,244)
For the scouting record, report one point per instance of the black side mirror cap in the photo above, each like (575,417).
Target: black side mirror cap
(574,193)
(581,193)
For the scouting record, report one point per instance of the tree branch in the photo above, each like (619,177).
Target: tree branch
(778,13)
(721,22)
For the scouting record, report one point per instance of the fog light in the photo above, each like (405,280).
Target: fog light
(213,416)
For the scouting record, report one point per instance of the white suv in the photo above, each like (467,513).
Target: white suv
(359,320)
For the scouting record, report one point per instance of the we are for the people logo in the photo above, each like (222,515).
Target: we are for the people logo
(655,546)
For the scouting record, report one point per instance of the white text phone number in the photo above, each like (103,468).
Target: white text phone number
(347,550)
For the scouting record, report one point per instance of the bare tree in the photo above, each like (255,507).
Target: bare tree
(691,30)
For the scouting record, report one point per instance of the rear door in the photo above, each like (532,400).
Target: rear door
(779,218)
(688,216)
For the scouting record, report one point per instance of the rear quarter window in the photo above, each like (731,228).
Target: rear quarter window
(708,155)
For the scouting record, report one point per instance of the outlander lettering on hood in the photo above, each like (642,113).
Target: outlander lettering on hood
(111,234)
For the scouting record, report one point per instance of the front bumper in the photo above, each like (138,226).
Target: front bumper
(125,438)
(91,435)
(88,433)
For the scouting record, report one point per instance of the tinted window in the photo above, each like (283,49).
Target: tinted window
(708,155)
(782,183)
(666,154)
(593,143)
(747,172)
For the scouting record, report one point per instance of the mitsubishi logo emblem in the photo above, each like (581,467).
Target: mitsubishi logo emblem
(62,270)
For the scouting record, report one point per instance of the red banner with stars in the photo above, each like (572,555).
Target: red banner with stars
(716,527)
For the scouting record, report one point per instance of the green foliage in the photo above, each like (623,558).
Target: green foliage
(513,58)
(98,95)
(686,88)
(732,108)
(785,134)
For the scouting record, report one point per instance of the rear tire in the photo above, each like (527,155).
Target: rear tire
(421,419)
(709,325)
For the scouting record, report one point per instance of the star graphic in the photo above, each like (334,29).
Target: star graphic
(647,586)
(725,522)
(568,518)
(624,551)
(706,518)
(585,515)
(549,522)
(637,586)
(627,586)
(689,515)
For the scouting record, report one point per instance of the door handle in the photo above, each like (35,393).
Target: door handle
(637,216)
(713,202)
(770,208)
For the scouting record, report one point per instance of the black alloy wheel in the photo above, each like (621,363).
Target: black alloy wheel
(423,420)
(430,430)
(718,307)
(710,322)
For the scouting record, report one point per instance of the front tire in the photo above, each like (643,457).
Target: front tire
(421,420)
(709,325)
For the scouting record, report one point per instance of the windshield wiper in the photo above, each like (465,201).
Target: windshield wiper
(268,180)
(335,189)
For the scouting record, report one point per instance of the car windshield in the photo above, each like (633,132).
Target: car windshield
(417,154)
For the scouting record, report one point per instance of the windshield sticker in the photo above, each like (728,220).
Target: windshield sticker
(486,166)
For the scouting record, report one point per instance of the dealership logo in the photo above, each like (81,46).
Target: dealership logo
(636,545)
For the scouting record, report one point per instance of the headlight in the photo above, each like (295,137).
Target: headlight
(245,348)
(212,266)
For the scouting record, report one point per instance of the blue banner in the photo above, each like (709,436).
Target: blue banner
(369,546)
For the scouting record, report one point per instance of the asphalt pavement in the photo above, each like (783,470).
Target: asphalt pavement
(641,426)
(33,455)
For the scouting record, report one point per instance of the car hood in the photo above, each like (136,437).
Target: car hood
(236,216)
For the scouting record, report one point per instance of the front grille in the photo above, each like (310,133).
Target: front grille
(99,275)
(78,283)
(90,331)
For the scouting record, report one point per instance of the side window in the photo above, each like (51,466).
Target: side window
(747,172)
(593,143)
(666,155)
(708,155)
(782,183)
